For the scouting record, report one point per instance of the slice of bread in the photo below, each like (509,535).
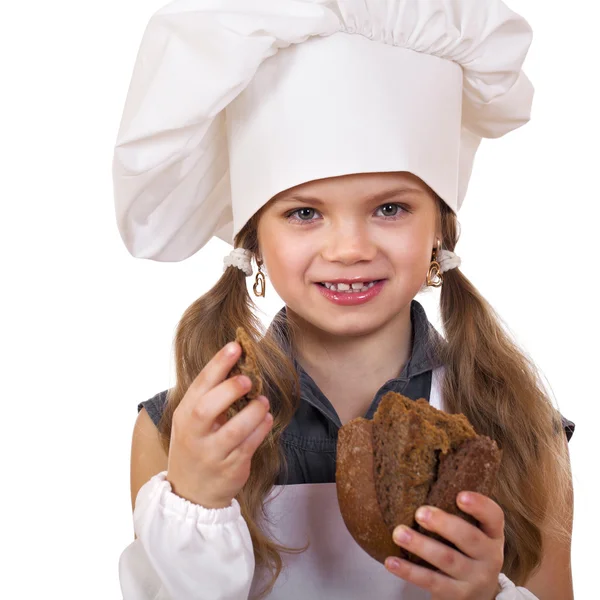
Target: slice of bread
(246,365)
(356,491)
(416,455)
(472,466)
(407,439)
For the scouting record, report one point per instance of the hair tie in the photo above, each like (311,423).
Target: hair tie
(447,260)
(239,258)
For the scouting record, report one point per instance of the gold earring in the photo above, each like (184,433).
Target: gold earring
(434,276)
(259,281)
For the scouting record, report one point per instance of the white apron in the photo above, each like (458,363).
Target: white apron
(334,567)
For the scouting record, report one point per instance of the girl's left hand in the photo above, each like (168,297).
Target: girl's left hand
(472,573)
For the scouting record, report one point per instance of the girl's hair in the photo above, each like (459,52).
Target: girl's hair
(497,386)
(487,378)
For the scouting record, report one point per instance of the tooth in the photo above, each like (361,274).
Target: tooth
(349,289)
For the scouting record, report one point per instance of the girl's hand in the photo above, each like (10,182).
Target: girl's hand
(472,573)
(209,457)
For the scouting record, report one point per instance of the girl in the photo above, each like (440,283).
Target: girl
(332,141)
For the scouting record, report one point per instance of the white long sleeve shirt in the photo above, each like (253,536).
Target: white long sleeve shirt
(185,551)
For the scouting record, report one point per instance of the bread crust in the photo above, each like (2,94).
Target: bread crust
(358,503)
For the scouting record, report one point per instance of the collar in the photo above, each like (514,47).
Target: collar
(423,357)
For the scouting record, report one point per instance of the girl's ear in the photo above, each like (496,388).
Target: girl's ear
(438,232)
(258,255)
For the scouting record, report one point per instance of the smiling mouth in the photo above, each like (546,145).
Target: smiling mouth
(350,288)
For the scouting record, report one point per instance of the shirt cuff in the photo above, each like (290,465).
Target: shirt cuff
(512,592)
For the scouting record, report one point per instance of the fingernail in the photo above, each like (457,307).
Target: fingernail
(231,348)
(423,514)
(402,535)
(393,563)
(465,498)
(264,400)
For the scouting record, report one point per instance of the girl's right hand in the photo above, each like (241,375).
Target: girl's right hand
(209,457)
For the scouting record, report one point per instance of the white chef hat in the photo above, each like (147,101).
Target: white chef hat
(234,101)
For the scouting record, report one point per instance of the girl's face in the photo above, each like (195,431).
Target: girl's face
(363,227)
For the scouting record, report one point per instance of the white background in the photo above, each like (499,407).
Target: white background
(86,330)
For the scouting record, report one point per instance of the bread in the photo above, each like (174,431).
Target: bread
(410,454)
(473,466)
(356,491)
(246,365)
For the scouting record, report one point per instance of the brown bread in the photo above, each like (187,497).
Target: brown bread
(474,467)
(456,427)
(246,365)
(358,503)
(404,459)
(416,455)
(408,438)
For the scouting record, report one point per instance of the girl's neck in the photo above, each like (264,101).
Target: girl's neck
(350,370)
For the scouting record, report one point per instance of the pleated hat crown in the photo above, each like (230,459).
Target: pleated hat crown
(234,101)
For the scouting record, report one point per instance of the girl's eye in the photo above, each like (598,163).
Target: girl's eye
(302,214)
(391,210)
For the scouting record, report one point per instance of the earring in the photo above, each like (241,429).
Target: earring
(259,281)
(434,276)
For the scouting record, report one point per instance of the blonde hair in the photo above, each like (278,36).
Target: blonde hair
(487,378)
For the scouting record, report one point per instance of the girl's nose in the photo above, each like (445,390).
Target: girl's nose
(349,244)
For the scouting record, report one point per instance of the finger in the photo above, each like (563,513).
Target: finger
(219,421)
(489,514)
(239,427)
(466,537)
(438,554)
(248,447)
(209,407)
(427,579)
(214,372)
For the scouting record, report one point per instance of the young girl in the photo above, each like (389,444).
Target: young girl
(332,141)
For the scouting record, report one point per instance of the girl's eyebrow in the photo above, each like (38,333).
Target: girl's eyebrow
(378,197)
